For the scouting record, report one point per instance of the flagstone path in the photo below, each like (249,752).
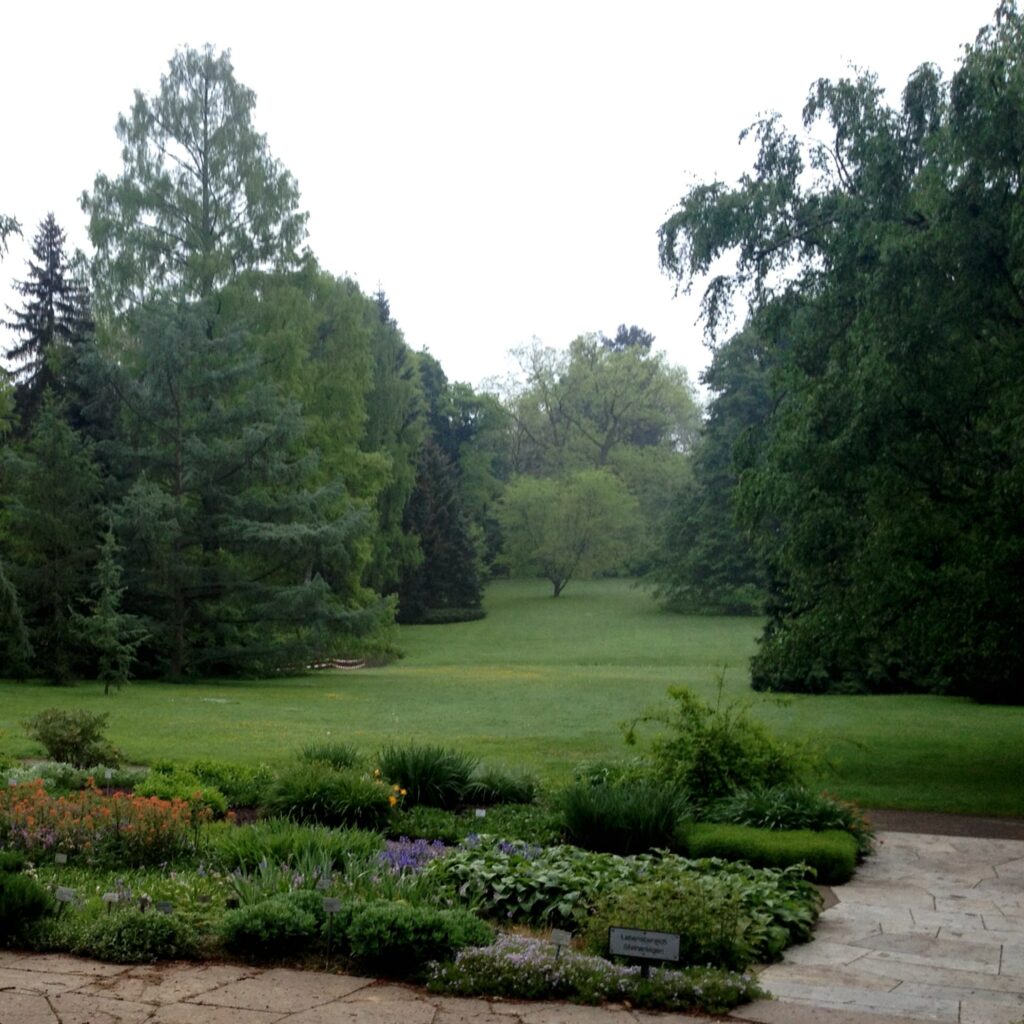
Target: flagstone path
(930,929)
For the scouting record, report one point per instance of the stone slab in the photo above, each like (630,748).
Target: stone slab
(40,983)
(186,1013)
(282,990)
(22,1008)
(166,984)
(981,1011)
(82,1008)
(766,1012)
(63,963)
(897,1003)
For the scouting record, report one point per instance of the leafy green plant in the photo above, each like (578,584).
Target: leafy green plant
(73,736)
(516,967)
(431,775)
(494,785)
(603,772)
(832,856)
(282,841)
(179,784)
(131,936)
(285,922)
(707,912)
(60,776)
(22,900)
(793,807)
(242,785)
(629,818)
(710,751)
(314,792)
(336,754)
(394,936)
(531,823)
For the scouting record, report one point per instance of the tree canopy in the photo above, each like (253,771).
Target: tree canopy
(880,255)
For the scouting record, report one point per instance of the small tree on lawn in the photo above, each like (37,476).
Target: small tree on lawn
(112,634)
(579,525)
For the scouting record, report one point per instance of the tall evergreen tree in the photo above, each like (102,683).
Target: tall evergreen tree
(52,505)
(53,322)
(448,577)
(15,645)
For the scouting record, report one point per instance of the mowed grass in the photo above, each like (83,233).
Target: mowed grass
(543,684)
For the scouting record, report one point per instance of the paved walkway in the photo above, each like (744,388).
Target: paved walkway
(930,929)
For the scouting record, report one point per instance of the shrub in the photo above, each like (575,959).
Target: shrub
(281,841)
(316,793)
(130,936)
(22,900)
(445,616)
(179,784)
(11,861)
(515,967)
(281,923)
(793,807)
(75,737)
(831,855)
(707,913)
(623,819)
(711,751)
(492,785)
(392,935)
(336,754)
(242,785)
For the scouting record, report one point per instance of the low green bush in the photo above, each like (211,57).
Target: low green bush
(793,807)
(242,785)
(336,754)
(179,784)
(12,861)
(627,818)
(73,736)
(516,967)
(126,936)
(707,913)
(22,900)
(832,855)
(287,923)
(493,785)
(603,772)
(431,775)
(395,936)
(281,841)
(315,793)
(60,776)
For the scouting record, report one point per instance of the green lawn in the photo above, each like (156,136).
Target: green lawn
(545,683)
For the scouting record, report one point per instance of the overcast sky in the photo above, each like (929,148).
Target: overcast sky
(499,169)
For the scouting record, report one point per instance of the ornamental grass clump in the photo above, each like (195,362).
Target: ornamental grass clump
(516,967)
(315,793)
(97,828)
(282,841)
(627,818)
(431,775)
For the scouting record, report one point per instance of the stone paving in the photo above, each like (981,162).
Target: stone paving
(930,929)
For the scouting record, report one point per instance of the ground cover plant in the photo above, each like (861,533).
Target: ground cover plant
(545,684)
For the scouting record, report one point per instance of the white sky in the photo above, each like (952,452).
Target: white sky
(499,169)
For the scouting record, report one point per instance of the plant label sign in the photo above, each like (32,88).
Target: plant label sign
(481,812)
(164,906)
(331,905)
(560,937)
(64,894)
(108,774)
(643,945)
(111,897)
(60,858)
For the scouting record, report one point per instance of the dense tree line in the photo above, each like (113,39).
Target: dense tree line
(879,476)
(211,445)
(217,457)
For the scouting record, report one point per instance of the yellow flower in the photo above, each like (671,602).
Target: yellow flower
(404,792)
(392,800)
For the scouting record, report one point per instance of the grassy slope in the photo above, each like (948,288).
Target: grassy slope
(544,683)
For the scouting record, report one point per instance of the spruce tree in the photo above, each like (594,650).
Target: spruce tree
(448,578)
(15,646)
(53,321)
